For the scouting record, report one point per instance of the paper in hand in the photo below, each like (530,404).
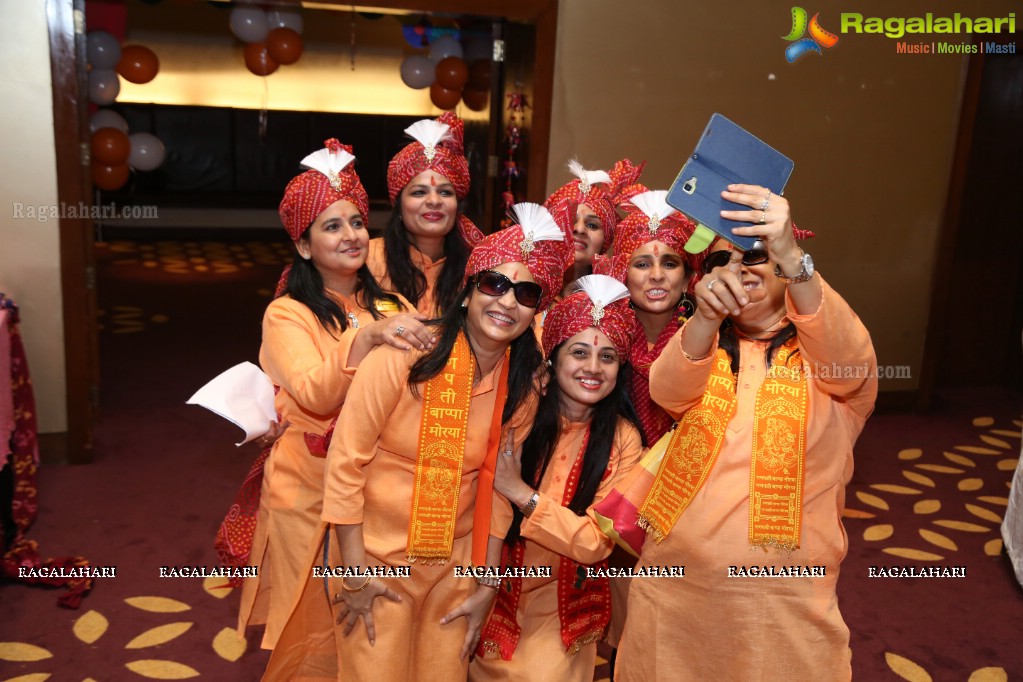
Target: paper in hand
(244,396)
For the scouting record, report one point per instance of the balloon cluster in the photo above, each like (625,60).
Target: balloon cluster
(271,38)
(113,150)
(451,73)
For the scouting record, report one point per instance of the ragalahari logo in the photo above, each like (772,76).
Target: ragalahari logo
(819,37)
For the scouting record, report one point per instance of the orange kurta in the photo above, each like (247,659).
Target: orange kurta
(708,626)
(553,531)
(309,365)
(370,472)
(377,264)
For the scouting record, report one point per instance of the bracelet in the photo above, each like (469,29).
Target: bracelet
(528,508)
(491,581)
(357,589)
(693,358)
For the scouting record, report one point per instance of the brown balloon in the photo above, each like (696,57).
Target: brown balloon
(138,64)
(452,73)
(109,146)
(479,75)
(258,60)
(475,99)
(284,45)
(443,98)
(109,178)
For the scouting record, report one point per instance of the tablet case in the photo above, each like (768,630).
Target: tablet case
(726,154)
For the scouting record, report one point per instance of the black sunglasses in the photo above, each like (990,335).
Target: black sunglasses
(494,283)
(720,258)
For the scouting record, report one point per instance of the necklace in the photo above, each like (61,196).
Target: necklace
(764,334)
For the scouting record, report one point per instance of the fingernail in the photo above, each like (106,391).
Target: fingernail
(735,312)
(744,301)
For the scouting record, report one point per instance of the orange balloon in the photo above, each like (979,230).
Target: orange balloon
(479,75)
(475,99)
(443,98)
(284,45)
(109,178)
(452,73)
(138,64)
(258,59)
(109,146)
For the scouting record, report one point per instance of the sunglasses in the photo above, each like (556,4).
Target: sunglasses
(720,258)
(494,283)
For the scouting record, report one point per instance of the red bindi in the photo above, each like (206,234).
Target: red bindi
(515,276)
(594,339)
(433,181)
(657,250)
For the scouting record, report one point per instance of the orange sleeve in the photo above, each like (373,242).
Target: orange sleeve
(292,358)
(837,347)
(374,395)
(560,530)
(676,382)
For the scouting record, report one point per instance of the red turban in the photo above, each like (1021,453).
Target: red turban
(597,189)
(602,302)
(536,240)
(331,179)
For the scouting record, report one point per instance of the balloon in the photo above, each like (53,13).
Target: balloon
(475,99)
(103,86)
(102,49)
(284,45)
(417,72)
(258,60)
(109,178)
(249,24)
(278,19)
(479,74)
(107,118)
(445,46)
(146,152)
(138,64)
(109,146)
(452,73)
(443,98)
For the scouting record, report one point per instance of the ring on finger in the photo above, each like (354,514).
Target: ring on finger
(767,202)
(763,217)
(710,285)
(399,331)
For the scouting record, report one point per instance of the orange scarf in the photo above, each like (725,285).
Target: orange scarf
(776,467)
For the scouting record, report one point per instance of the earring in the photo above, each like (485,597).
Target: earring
(685,310)
(465,303)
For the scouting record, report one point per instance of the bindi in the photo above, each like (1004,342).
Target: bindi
(515,276)
(594,340)
(657,250)
(433,181)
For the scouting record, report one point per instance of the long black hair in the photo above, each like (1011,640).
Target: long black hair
(542,441)
(407,279)
(524,360)
(305,285)
(728,340)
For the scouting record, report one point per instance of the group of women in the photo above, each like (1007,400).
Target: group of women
(455,401)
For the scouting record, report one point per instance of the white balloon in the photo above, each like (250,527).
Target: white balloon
(249,24)
(418,72)
(107,118)
(146,152)
(278,19)
(104,86)
(103,50)
(445,46)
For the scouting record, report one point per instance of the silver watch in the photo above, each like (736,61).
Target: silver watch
(805,274)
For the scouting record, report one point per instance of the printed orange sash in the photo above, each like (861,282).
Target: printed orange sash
(438,480)
(776,468)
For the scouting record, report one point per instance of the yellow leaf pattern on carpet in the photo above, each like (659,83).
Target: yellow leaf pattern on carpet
(158,635)
(90,626)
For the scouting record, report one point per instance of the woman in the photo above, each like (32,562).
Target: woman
(592,217)
(583,442)
(421,255)
(411,485)
(756,469)
(332,312)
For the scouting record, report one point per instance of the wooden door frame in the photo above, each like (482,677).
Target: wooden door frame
(74,183)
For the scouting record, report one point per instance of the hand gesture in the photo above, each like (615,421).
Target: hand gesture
(358,603)
(476,607)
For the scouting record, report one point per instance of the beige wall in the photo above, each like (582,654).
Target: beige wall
(30,250)
(871,131)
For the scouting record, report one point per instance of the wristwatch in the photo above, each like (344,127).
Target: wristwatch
(805,274)
(528,507)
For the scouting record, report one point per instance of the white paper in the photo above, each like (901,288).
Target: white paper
(244,396)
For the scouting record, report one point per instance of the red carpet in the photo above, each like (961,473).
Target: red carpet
(176,314)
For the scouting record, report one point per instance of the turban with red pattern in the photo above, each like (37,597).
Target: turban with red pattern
(331,179)
(536,241)
(597,189)
(601,302)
